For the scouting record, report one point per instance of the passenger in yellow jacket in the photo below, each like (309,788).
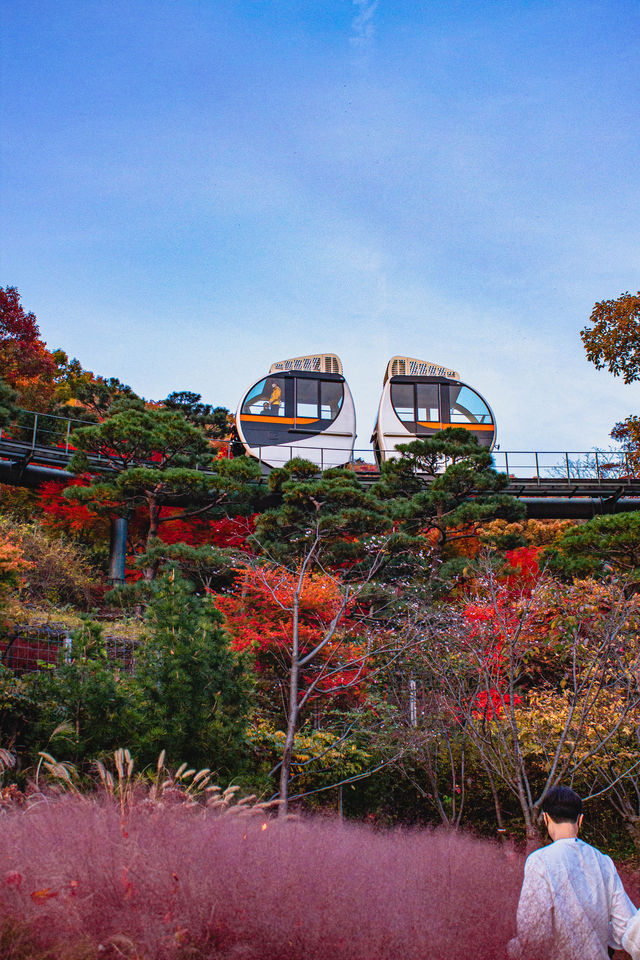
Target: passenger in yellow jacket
(274,399)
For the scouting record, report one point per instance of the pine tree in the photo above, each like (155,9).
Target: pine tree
(443,489)
(157,460)
(191,688)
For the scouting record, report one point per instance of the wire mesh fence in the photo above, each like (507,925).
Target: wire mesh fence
(28,648)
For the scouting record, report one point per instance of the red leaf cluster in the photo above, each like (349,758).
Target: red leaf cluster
(258,613)
(69,515)
(489,704)
(258,609)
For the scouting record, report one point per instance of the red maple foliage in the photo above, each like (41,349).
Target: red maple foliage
(16,326)
(69,515)
(77,519)
(258,609)
(524,561)
(25,362)
(491,621)
(258,614)
(224,532)
(490,703)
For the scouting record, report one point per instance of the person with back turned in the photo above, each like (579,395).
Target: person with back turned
(572,903)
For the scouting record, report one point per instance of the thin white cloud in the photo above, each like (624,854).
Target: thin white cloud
(362,25)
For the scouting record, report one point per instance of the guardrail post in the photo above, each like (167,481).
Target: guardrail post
(321,460)
(597,466)
(566,460)
(66,449)
(506,463)
(35,430)
(537,467)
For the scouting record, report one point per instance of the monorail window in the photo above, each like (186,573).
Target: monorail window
(428,402)
(318,399)
(331,396)
(467,406)
(266,399)
(307,398)
(402,399)
(419,402)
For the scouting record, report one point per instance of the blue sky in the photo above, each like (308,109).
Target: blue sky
(192,189)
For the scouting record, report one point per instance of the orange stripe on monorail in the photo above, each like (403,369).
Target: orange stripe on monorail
(465,426)
(256,418)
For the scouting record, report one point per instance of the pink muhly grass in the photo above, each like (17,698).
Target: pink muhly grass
(176,881)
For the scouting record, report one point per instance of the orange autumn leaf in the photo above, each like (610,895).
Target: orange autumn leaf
(39,896)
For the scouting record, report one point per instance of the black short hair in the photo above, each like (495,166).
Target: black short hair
(563,805)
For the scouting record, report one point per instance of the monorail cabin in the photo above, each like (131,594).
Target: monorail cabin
(420,398)
(303,408)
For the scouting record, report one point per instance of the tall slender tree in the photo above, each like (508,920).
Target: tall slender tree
(192,689)
(328,525)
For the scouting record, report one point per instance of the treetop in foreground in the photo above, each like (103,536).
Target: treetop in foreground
(163,463)
(334,511)
(445,488)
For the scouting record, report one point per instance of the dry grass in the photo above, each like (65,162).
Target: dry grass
(7,760)
(35,615)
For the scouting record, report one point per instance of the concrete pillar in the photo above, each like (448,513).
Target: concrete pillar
(118,549)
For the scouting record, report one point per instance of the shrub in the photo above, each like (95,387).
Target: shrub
(17,708)
(179,881)
(19,503)
(13,567)
(83,697)
(58,571)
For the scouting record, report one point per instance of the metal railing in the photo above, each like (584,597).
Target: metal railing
(567,465)
(539,465)
(43,430)
(32,647)
(48,431)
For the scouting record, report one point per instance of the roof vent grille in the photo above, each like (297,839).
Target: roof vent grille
(314,363)
(410,367)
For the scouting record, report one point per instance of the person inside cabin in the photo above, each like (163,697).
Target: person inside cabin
(572,903)
(275,397)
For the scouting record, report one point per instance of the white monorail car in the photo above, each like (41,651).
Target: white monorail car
(303,408)
(420,398)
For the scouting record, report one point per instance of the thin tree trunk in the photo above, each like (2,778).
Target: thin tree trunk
(633,826)
(154,519)
(292,722)
(496,799)
(531,829)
